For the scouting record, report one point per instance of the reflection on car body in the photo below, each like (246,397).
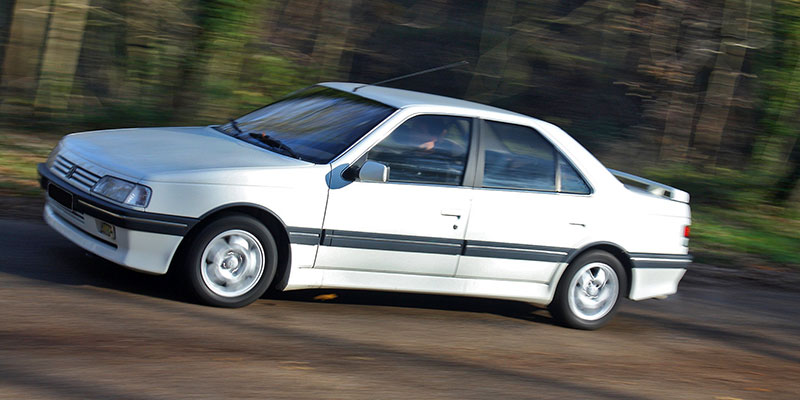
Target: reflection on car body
(380,189)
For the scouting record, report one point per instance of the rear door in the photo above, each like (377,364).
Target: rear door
(414,223)
(530,207)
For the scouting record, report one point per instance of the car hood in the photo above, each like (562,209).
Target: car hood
(151,153)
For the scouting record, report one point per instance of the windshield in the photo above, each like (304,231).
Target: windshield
(315,124)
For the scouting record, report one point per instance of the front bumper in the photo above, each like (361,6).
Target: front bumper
(141,241)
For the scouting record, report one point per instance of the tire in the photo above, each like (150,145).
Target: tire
(230,262)
(589,292)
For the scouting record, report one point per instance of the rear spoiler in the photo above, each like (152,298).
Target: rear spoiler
(658,189)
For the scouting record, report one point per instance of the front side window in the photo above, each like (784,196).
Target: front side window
(426,149)
(518,157)
(315,124)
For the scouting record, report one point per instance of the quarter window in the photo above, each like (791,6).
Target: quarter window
(571,182)
(426,149)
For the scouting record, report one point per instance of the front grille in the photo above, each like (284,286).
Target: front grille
(78,217)
(75,173)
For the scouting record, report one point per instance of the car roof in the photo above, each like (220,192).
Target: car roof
(400,98)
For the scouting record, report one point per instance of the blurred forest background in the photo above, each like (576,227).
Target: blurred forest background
(704,95)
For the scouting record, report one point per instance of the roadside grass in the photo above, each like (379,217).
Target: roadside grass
(731,224)
(755,237)
(20,152)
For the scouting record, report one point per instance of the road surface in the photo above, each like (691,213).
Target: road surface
(73,326)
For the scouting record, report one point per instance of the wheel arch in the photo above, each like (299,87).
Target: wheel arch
(615,250)
(262,214)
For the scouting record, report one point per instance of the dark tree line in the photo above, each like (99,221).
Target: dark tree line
(708,84)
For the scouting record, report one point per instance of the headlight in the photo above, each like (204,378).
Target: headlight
(122,191)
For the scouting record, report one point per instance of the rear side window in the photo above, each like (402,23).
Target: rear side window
(518,157)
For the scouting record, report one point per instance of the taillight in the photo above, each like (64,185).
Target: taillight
(686,230)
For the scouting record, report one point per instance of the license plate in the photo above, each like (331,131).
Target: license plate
(60,195)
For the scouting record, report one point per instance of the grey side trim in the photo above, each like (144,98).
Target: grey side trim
(547,249)
(423,244)
(469,248)
(660,264)
(515,251)
(513,254)
(655,260)
(304,235)
(685,257)
(380,241)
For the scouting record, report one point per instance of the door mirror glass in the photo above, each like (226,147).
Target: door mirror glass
(373,171)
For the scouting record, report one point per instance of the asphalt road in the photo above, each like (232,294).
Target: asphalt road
(73,326)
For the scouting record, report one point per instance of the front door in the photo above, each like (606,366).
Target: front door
(414,223)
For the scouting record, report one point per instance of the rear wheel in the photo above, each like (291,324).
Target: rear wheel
(231,262)
(589,291)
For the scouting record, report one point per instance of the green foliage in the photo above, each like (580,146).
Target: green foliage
(720,187)
(770,235)
(780,90)
(20,151)
(732,217)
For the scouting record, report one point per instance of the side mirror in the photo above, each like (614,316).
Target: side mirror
(373,171)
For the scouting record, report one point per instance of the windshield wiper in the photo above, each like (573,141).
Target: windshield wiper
(235,125)
(274,143)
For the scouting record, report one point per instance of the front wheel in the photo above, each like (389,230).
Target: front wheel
(589,291)
(231,261)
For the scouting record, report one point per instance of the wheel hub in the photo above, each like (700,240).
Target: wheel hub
(232,263)
(594,291)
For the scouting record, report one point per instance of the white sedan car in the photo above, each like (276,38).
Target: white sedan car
(343,185)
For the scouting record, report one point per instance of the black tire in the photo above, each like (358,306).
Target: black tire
(241,245)
(580,301)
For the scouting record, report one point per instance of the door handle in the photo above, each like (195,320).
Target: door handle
(452,212)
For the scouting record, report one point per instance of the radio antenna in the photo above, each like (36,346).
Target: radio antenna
(448,66)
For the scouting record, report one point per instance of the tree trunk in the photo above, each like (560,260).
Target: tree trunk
(62,48)
(331,40)
(495,39)
(722,84)
(678,126)
(617,27)
(787,185)
(6,12)
(23,54)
